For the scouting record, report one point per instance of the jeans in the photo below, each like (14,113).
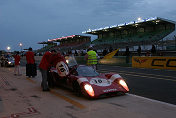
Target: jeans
(44,79)
(17,70)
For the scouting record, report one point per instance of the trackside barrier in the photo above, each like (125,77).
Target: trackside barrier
(116,60)
(154,62)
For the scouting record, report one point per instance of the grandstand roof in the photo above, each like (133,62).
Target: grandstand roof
(133,24)
(45,42)
(68,38)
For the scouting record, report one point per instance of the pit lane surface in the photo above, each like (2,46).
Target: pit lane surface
(22,97)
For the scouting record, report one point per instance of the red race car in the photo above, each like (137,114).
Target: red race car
(85,80)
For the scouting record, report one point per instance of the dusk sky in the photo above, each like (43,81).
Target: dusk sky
(32,21)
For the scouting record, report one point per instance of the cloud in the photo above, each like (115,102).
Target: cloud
(32,21)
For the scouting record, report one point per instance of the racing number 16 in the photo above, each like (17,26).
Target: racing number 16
(98,81)
(62,69)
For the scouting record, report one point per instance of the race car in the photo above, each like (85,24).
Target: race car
(85,80)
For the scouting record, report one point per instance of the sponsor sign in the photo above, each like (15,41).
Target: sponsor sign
(154,62)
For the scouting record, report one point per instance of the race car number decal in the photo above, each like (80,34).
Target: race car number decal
(100,82)
(62,69)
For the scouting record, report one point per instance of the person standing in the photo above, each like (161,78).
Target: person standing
(17,64)
(105,52)
(91,58)
(127,53)
(153,50)
(30,66)
(44,66)
(110,49)
(139,51)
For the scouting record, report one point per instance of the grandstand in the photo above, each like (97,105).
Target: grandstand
(67,43)
(142,32)
(46,46)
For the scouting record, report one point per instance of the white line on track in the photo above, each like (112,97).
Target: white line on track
(152,100)
(146,74)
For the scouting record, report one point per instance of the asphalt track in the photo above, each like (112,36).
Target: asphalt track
(150,83)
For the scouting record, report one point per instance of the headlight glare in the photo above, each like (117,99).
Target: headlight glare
(123,83)
(89,89)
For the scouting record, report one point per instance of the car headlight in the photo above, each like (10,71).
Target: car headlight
(89,89)
(123,83)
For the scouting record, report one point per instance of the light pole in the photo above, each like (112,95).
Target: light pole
(20,44)
(8,48)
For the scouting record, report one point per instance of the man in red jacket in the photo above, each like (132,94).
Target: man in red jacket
(30,66)
(44,66)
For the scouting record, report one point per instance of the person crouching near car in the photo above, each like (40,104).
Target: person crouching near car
(17,64)
(44,66)
(58,61)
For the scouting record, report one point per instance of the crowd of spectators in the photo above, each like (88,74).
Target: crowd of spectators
(102,52)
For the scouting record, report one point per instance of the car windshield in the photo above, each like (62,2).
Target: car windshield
(71,61)
(86,71)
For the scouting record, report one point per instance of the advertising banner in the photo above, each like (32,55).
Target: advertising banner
(154,62)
